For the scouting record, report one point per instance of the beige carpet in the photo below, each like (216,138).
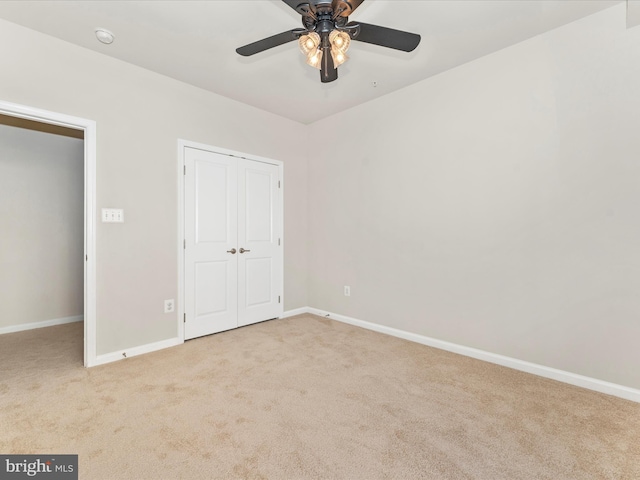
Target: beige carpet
(305,397)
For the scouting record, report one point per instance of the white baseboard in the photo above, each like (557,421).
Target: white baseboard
(44,323)
(601,386)
(294,312)
(135,351)
(172,342)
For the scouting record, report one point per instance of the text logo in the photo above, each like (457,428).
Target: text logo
(44,467)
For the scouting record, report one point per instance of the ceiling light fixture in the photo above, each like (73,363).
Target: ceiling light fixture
(310,46)
(313,47)
(104,36)
(327,34)
(340,42)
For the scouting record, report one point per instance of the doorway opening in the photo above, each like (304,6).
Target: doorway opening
(65,178)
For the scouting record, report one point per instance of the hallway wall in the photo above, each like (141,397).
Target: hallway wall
(42,225)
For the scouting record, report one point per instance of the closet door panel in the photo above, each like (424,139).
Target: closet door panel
(233,246)
(260,257)
(211,271)
(259,275)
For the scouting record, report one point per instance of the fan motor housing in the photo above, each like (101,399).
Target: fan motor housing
(321,16)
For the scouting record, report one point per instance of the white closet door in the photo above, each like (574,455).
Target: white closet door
(260,249)
(211,267)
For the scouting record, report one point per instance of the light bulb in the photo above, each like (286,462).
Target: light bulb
(314,59)
(340,40)
(309,42)
(338,57)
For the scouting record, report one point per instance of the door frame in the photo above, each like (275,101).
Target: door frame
(89,128)
(182,144)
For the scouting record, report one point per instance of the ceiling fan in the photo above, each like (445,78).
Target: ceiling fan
(327,34)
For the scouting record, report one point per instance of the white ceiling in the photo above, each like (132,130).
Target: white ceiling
(195,42)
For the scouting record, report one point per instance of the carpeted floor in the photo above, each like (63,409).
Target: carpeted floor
(305,397)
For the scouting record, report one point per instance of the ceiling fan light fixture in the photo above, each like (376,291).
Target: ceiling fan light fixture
(314,59)
(340,40)
(309,42)
(339,57)
(327,34)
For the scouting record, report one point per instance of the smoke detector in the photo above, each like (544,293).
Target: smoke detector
(104,36)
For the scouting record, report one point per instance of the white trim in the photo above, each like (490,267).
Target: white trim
(90,283)
(223,151)
(589,383)
(43,323)
(180,239)
(294,312)
(280,233)
(90,146)
(182,144)
(135,351)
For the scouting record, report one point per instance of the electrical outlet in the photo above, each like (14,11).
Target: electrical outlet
(347,291)
(169,306)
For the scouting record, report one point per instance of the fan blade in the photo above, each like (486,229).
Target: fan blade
(355,4)
(350,6)
(267,43)
(328,72)
(303,7)
(386,37)
(294,3)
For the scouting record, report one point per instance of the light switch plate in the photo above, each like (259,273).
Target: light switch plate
(112,215)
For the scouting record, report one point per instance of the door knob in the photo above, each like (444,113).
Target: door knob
(242,250)
(232,251)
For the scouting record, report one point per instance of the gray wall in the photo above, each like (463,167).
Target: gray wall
(42,226)
(140,116)
(495,205)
